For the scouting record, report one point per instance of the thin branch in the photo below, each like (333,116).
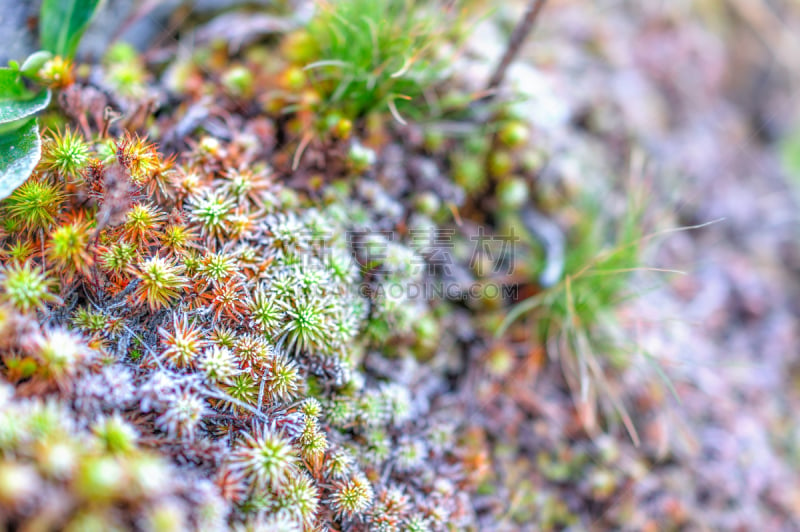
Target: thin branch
(518,36)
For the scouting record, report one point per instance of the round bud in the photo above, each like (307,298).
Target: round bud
(209,145)
(299,47)
(238,81)
(343,128)
(293,78)
(427,203)
(512,193)
(360,157)
(468,173)
(100,477)
(500,360)
(514,134)
(434,140)
(500,163)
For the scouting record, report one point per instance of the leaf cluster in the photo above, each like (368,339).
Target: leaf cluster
(61,25)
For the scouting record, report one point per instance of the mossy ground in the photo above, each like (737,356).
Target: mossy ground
(305,276)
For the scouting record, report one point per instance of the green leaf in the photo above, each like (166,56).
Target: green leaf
(35,62)
(62,23)
(16,101)
(20,150)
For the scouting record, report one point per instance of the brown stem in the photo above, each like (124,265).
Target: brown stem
(518,37)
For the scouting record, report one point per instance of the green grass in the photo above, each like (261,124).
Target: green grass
(575,319)
(375,55)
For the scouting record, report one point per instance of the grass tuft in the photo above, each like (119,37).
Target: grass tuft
(575,319)
(365,55)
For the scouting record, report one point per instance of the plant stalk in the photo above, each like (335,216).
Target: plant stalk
(518,36)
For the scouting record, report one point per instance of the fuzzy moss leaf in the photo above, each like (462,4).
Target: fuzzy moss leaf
(20,150)
(16,101)
(62,23)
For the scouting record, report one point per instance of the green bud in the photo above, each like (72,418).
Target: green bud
(299,47)
(427,203)
(500,163)
(468,173)
(238,81)
(360,157)
(514,134)
(100,477)
(512,193)
(603,483)
(293,78)
(500,360)
(433,140)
